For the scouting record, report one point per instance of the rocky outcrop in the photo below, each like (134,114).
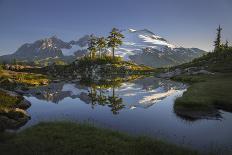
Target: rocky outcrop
(15,116)
(170,74)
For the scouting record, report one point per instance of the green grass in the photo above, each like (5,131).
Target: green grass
(207,92)
(71,138)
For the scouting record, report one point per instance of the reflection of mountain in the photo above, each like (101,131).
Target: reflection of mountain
(53,92)
(152,83)
(148,91)
(139,93)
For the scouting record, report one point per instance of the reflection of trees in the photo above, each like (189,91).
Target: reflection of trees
(102,99)
(115,103)
(93,96)
(98,96)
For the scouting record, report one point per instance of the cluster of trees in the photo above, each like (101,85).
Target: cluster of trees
(218,45)
(99,44)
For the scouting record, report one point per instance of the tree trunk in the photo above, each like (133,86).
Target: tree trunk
(113,92)
(113,52)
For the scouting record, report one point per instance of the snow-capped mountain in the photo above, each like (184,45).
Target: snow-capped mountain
(139,46)
(136,41)
(145,47)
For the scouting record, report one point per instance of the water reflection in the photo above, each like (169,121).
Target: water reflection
(139,106)
(117,93)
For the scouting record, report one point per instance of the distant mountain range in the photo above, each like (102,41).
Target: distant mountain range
(139,46)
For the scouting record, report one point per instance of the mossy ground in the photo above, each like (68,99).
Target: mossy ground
(11,80)
(207,93)
(71,138)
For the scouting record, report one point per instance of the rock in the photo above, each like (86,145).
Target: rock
(13,119)
(44,82)
(202,72)
(56,81)
(75,80)
(24,104)
(191,69)
(171,74)
(19,91)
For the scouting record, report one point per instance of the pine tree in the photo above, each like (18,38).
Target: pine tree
(115,39)
(226,45)
(217,42)
(92,46)
(101,44)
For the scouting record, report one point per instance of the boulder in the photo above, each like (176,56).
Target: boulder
(170,74)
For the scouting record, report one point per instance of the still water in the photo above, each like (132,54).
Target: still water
(140,107)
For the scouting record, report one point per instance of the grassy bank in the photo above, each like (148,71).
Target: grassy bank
(207,93)
(71,138)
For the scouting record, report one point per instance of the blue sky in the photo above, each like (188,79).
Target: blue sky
(188,23)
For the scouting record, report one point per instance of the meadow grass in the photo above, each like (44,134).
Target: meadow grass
(72,138)
(206,92)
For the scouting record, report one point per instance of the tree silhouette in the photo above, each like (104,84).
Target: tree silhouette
(114,39)
(217,42)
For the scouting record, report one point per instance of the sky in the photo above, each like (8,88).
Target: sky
(187,23)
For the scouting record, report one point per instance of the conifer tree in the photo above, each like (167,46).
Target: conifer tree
(226,45)
(217,42)
(92,46)
(101,44)
(114,39)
